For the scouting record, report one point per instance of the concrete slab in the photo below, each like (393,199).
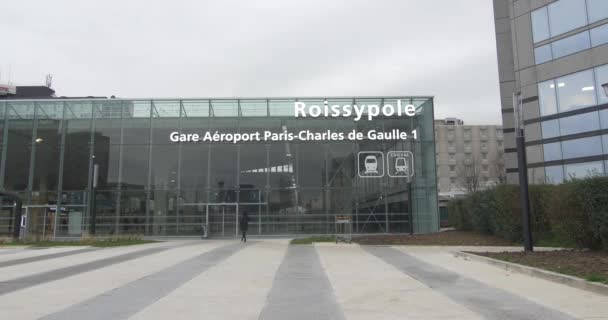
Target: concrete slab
(55,296)
(236,288)
(575,302)
(368,288)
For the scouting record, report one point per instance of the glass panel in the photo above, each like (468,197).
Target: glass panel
(554,175)
(224,108)
(601,76)
(552,151)
(135,166)
(599,35)
(194,167)
(534,154)
(597,10)
(19,145)
(136,128)
(566,15)
(194,109)
(77,145)
(570,45)
(579,148)
(604,118)
(550,129)
(583,170)
(254,108)
(576,91)
(543,54)
(254,166)
(540,24)
(580,123)
(164,167)
(310,171)
(547,98)
(281,108)
(223,165)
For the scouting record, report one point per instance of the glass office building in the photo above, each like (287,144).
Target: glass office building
(71,160)
(554,54)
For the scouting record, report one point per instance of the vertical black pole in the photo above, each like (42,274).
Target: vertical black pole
(524,195)
(93,215)
(17,218)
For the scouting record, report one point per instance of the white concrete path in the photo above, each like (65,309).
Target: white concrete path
(264,279)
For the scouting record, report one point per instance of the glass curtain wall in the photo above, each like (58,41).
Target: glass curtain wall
(149,185)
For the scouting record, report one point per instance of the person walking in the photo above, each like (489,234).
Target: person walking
(244,225)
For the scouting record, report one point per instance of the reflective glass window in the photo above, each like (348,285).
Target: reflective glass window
(584,170)
(543,54)
(579,148)
(605,143)
(599,35)
(534,153)
(579,123)
(547,98)
(576,91)
(550,129)
(540,24)
(597,10)
(571,44)
(604,118)
(566,15)
(554,174)
(601,78)
(552,151)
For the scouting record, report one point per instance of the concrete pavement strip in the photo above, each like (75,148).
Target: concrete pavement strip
(539,273)
(123,302)
(490,302)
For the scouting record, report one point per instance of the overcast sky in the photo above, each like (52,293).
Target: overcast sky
(259,48)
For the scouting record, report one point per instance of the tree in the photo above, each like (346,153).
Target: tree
(469,175)
(498,165)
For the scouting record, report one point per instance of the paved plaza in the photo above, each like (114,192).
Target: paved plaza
(270,279)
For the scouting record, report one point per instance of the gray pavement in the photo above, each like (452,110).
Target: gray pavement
(269,279)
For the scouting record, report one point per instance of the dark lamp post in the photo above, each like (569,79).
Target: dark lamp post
(523,171)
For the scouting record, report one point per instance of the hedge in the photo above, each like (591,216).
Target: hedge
(575,212)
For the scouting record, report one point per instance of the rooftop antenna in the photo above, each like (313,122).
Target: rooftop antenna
(49,80)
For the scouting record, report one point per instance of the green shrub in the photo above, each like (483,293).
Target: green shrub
(573,212)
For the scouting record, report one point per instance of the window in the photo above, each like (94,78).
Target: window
(583,170)
(547,98)
(499,133)
(605,142)
(566,15)
(554,174)
(601,76)
(571,44)
(599,35)
(484,145)
(534,154)
(579,123)
(483,133)
(543,54)
(540,25)
(484,168)
(484,156)
(597,10)
(452,168)
(550,129)
(453,180)
(576,91)
(467,134)
(604,119)
(553,151)
(579,148)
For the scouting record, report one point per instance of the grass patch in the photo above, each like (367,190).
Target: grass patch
(101,243)
(589,265)
(311,240)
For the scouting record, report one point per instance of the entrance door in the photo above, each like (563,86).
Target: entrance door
(45,222)
(223,219)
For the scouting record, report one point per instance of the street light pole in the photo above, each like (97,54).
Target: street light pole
(522,164)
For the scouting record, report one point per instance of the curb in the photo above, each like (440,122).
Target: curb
(567,280)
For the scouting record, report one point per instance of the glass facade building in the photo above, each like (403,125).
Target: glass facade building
(147,184)
(553,54)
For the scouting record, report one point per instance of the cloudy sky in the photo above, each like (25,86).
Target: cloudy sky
(256,48)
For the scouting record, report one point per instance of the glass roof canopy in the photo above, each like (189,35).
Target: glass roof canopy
(182,108)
